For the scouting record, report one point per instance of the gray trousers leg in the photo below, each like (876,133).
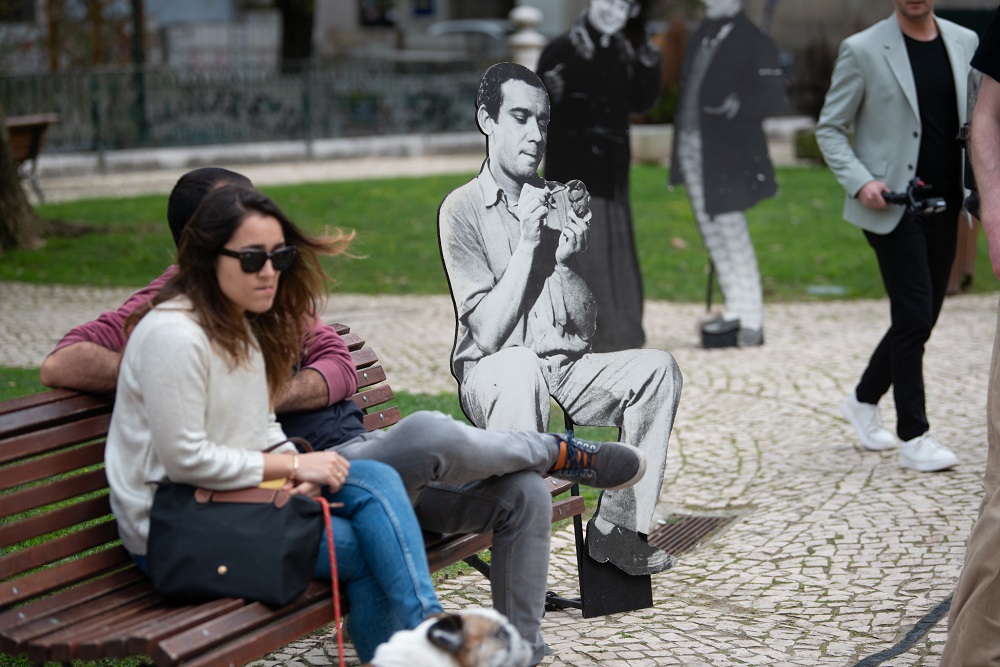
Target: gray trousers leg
(430,447)
(464,479)
(634,390)
(518,509)
(727,239)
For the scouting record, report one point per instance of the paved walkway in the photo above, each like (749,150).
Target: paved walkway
(836,554)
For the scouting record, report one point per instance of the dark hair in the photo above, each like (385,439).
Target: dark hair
(191,188)
(279,332)
(491,96)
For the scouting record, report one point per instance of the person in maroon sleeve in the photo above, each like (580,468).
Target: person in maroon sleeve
(460,479)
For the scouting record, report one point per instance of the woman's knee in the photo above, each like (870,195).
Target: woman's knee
(374,478)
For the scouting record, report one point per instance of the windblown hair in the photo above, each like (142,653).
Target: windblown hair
(279,332)
(490,94)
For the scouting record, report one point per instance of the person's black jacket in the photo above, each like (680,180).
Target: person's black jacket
(737,170)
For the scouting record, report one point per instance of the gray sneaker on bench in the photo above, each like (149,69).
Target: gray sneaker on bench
(602,465)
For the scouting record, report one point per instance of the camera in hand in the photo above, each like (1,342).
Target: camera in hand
(916,199)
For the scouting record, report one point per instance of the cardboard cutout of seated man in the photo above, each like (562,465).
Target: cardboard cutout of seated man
(730,81)
(510,242)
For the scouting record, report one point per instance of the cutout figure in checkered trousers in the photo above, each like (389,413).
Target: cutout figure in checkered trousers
(731,80)
(525,317)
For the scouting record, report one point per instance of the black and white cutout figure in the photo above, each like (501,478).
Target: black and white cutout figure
(730,81)
(595,79)
(510,242)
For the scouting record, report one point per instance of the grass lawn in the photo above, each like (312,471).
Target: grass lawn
(801,241)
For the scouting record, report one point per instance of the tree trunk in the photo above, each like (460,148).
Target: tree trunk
(19,226)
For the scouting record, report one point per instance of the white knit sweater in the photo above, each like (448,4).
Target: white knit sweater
(182,413)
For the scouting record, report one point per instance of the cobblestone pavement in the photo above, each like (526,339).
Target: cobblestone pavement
(836,553)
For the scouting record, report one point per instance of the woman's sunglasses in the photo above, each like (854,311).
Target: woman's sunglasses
(252,261)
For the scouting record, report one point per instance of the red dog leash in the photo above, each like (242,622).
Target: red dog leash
(333,577)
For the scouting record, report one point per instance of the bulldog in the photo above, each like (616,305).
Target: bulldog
(470,638)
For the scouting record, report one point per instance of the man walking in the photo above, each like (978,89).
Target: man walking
(900,87)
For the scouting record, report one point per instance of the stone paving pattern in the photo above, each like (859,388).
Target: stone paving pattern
(836,553)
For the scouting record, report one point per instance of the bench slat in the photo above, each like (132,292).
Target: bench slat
(63,644)
(108,593)
(64,517)
(382,418)
(219,630)
(454,548)
(71,407)
(45,467)
(54,550)
(44,608)
(364,357)
(369,376)
(353,341)
(269,638)
(57,437)
(45,494)
(142,640)
(34,400)
(377,396)
(63,574)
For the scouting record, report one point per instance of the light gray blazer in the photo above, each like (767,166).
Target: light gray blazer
(872,93)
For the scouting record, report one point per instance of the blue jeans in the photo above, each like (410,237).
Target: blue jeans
(380,557)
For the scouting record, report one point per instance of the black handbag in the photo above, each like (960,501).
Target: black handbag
(258,544)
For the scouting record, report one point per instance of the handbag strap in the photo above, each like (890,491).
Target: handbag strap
(301,444)
(333,577)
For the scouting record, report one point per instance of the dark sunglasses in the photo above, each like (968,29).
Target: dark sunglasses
(252,261)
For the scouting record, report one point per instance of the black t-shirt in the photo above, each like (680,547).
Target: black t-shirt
(940,161)
(987,57)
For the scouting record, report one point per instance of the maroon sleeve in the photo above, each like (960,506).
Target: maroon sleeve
(325,352)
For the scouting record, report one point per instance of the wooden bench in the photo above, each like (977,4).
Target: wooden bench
(27,138)
(68,590)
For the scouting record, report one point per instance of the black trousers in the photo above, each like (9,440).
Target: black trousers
(915,260)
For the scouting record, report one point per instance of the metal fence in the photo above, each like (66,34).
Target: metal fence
(161,107)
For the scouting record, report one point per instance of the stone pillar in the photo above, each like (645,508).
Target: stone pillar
(526,43)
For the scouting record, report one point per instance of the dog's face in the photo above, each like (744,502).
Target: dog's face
(470,638)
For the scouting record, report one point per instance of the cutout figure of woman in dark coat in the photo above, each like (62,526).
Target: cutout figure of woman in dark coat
(595,79)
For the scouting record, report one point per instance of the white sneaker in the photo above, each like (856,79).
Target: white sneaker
(925,454)
(867,421)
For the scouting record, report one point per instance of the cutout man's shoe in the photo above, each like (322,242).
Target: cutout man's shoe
(720,332)
(602,465)
(626,550)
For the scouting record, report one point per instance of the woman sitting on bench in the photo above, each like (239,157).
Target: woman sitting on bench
(193,406)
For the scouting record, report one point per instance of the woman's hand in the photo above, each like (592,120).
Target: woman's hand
(302,488)
(323,468)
